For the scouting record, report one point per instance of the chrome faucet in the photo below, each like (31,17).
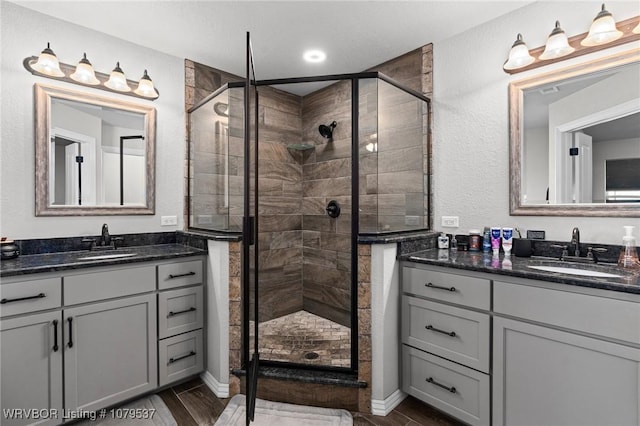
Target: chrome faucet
(575,241)
(106,238)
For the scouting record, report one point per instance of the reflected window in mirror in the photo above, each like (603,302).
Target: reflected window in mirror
(95,155)
(575,140)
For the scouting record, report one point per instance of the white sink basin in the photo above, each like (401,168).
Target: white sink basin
(572,271)
(107,256)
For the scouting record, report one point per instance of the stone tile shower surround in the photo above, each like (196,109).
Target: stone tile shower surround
(414,70)
(326,278)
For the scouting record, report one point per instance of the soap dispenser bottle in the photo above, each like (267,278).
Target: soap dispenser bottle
(629,253)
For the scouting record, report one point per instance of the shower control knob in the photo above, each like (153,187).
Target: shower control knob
(333,209)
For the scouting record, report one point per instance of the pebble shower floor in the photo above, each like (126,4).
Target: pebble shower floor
(297,337)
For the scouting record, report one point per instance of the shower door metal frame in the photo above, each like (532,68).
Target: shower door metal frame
(355,195)
(250,238)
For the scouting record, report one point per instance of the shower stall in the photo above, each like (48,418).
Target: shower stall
(339,158)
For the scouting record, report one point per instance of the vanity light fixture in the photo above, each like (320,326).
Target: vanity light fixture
(518,55)
(557,44)
(604,33)
(117,81)
(47,63)
(603,30)
(145,87)
(84,72)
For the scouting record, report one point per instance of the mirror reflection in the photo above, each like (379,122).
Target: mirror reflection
(95,155)
(574,139)
(581,139)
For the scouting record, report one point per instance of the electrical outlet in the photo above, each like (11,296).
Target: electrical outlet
(168,220)
(450,221)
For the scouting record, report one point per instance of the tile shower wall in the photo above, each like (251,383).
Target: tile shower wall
(326,176)
(280,204)
(395,147)
(208,200)
(413,70)
(216,153)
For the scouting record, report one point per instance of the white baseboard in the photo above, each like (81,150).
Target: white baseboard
(221,390)
(385,406)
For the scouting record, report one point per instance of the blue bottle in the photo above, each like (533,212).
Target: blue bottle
(486,241)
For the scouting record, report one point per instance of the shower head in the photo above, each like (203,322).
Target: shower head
(327,131)
(221,109)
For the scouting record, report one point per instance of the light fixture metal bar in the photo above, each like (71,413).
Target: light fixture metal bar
(68,69)
(628,36)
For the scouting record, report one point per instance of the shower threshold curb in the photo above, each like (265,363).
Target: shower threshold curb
(307,376)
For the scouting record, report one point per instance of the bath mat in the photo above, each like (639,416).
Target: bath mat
(280,414)
(148,411)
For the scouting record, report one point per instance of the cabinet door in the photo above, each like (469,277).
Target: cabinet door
(110,352)
(31,369)
(543,376)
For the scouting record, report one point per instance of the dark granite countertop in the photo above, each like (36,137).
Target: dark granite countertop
(396,237)
(629,282)
(69,260)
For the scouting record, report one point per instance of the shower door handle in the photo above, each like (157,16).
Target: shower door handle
(248,231)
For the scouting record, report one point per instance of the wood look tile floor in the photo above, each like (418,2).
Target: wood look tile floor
(193,404)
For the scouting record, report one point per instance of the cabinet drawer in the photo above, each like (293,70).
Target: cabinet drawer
(453,288)
(616,319)
(30,296)
(179,274)
(453,333)
(452,388)
(108,284)
(180,356)
(179,311)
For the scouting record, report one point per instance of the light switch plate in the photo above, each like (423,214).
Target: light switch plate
(168,220)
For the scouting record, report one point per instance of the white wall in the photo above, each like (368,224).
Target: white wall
(25,33)
(471,121)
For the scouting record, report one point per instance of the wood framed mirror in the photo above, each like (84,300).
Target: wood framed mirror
(574,140)
(94,155)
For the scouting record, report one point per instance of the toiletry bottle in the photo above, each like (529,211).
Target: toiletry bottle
(507,240)
(629,253)
(495,240)
(486,240)
(453,245)
(443,241)
(474,240)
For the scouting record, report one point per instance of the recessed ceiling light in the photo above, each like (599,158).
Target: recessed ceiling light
(314,56)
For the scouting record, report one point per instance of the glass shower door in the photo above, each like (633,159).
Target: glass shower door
(249,236)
